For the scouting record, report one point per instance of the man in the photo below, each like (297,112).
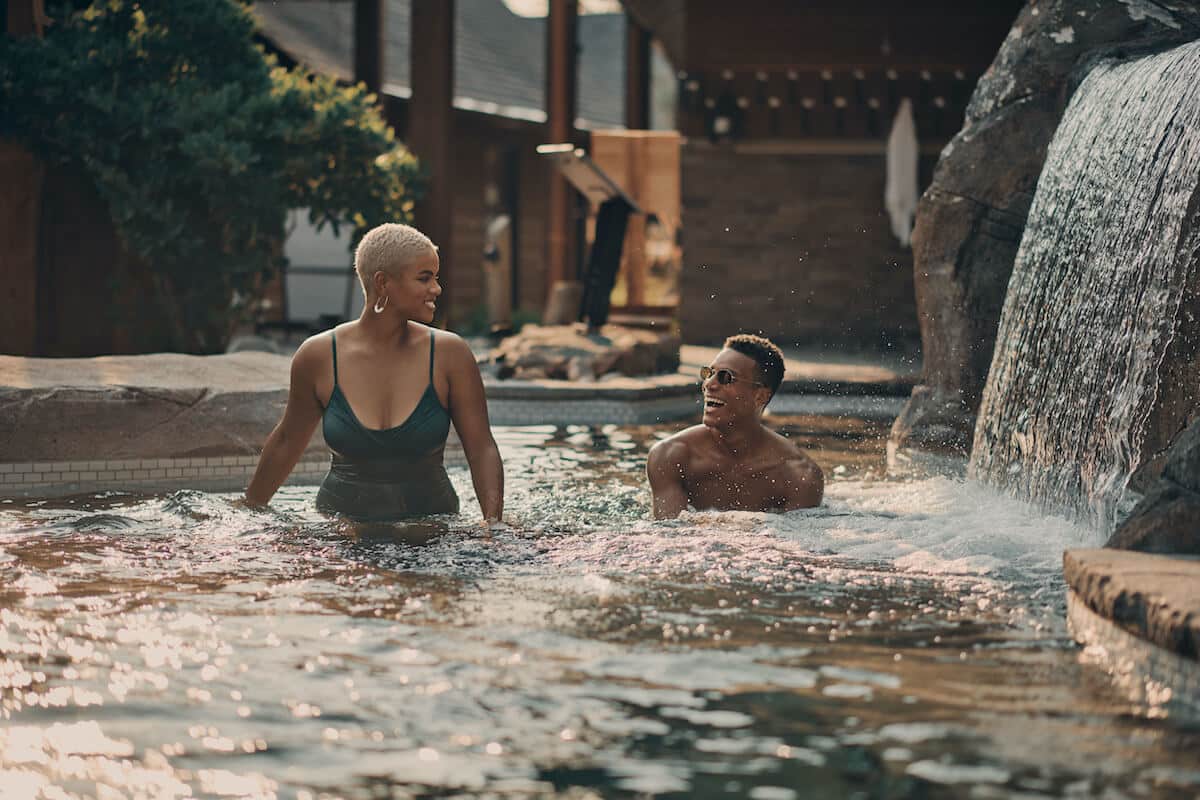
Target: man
(731,461)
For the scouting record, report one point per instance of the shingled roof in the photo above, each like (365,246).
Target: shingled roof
(499,59)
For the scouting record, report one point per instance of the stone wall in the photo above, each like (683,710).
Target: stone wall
(970,220)
(796,245)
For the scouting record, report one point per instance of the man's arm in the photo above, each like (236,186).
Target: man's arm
(665,470)
(804,484)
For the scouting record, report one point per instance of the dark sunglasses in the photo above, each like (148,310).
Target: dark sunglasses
(724,376)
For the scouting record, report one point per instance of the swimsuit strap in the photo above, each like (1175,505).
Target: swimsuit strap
(431,337)
(333,339)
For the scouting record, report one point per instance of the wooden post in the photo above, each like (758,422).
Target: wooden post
(20,216)
(431,128)
(637,75)
(561,62)
(22,175)
(368,44)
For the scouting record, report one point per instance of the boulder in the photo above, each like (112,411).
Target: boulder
(1167,519)
(970,220)
(569,352)
(151,406)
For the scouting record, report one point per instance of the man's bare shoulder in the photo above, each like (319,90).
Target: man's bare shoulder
(681,443)
(802,478)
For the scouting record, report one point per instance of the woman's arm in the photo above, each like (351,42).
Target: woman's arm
(287,442)
(468,411)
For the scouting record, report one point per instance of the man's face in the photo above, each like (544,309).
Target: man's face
(725,404)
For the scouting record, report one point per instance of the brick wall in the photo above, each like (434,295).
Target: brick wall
(796,246)
(474,135)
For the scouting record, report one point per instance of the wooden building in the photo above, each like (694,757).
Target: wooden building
(785,108)
(474,113)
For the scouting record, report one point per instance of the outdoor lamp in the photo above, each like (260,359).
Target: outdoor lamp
(725,118)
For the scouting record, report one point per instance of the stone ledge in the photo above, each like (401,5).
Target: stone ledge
(817,373)
(1147,673)
(1156,598)
(615,388)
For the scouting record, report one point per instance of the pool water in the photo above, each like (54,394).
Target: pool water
(906,639)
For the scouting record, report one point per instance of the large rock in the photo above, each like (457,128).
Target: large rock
(152,406)
(569,352)
(1151,597)
(1167,519)
(970,220)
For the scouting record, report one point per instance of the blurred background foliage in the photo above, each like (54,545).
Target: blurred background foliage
(199,144)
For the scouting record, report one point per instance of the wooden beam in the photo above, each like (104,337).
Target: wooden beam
(561,70)
(368,43)
(23,175)
(20,213)
(431,128)
(637,75)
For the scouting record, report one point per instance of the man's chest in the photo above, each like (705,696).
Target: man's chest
(733,486)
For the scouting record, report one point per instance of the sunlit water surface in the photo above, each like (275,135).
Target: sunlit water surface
(907,639)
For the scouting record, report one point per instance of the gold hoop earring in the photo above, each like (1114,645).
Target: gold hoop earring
(381,304)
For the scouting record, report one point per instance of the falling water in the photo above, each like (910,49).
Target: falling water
(1097,290)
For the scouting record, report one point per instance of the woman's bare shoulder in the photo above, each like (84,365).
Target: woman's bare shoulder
(451,345)
(313,353)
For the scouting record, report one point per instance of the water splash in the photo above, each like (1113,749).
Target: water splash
(1096,290)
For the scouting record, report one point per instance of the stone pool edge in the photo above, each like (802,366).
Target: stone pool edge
(1152,599)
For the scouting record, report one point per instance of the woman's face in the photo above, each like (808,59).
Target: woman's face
(414,289)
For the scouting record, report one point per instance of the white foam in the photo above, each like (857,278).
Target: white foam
(938,772)
(702,669)
(935,525)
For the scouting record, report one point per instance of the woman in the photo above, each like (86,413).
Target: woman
(385,388)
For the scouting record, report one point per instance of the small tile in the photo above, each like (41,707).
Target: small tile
(70,476)
(88,475)
(158,473)
(5,468)
(43,466)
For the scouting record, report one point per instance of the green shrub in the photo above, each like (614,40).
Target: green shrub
(199,144)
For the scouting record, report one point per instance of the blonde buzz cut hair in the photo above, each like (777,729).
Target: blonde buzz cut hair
(388,248)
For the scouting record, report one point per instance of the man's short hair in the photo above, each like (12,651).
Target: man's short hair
(387,248)
(764,352)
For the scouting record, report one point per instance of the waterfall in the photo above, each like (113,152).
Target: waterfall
(1097,290)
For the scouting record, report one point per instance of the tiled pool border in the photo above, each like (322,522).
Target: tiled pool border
(213,473)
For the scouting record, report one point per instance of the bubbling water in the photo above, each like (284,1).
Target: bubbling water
(907,637)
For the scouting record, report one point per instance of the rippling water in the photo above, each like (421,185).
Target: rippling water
(904,640)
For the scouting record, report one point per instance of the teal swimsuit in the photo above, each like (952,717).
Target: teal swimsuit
(396,472)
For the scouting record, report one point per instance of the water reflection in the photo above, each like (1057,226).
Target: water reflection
(905,640)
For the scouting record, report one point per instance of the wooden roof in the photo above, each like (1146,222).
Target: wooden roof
(499,60)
